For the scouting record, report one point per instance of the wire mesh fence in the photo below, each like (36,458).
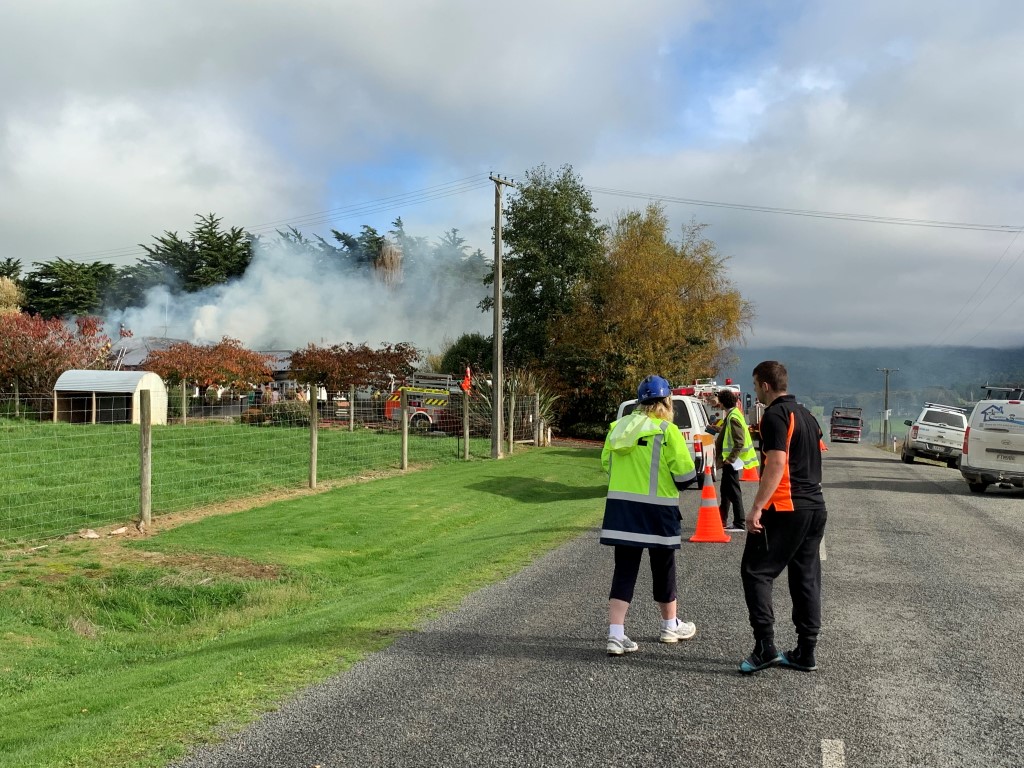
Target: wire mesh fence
(73,461)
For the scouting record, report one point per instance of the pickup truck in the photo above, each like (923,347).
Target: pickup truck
(691,417)
(938,433)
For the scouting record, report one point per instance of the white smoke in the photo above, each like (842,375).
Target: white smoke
(286,299)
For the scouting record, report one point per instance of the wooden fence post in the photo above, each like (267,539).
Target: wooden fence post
(351,407)
(405,431)
(145,458)
(536,419)
(511,419)
(314,426)
(465,426)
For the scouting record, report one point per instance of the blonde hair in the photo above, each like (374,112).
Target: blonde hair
(659,409)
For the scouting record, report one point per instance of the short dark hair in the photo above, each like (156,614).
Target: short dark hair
(727,398)
(774,374)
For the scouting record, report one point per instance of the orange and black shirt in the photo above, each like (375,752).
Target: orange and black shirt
(788,426)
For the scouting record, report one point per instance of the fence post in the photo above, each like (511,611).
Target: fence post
(405,431)
(465,426)
(511,419)
(145,458)
(351,407)
(314,426)
(536,419)
(184,404)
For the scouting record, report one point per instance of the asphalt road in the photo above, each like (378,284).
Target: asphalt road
(921,655)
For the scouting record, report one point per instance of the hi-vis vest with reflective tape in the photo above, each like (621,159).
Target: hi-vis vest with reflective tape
(645,460)
(747,455)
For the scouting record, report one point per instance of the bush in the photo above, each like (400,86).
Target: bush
(287,413)
(587,431)
(253,416)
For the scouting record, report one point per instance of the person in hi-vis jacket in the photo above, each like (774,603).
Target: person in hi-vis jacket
(734,452)
(648,463)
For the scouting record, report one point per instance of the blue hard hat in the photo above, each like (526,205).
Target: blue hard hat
(653,388)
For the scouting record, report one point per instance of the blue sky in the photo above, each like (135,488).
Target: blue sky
(125,119)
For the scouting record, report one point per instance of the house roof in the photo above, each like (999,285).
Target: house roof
(131,352)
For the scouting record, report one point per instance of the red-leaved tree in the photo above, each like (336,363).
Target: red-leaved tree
(224,364)
(34,352)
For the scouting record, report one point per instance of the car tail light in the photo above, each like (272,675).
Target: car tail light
(967,434)
(913,433)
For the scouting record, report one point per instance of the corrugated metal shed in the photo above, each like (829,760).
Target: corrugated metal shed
(107,397)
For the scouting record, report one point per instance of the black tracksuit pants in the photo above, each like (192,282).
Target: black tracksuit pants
(732,497)
(793,540)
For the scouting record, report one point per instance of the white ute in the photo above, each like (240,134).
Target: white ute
(938,433)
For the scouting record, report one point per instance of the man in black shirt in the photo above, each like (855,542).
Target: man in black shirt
(788,519)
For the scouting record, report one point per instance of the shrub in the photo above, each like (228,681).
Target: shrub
(287,413)
(253,416)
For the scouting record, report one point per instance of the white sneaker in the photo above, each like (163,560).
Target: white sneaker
(684,631)
(617,646)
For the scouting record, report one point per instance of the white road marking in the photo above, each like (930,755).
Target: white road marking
(833,753)
(821,549)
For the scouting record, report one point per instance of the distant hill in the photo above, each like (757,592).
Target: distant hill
(826,377)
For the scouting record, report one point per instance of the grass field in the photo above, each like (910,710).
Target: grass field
(122,653)
(58,478)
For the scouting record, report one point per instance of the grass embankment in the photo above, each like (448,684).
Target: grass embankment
(58,478)
(120,653)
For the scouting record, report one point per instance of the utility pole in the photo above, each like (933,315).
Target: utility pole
(885,404)
(497,374)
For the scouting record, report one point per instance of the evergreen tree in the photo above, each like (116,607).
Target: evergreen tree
(210,256)
(553,246)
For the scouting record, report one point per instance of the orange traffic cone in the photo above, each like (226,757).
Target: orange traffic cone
(749,475)
(709,519)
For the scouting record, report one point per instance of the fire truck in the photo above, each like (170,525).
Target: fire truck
(428,396)
(706,390)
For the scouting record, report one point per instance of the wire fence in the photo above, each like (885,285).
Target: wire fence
(75,461)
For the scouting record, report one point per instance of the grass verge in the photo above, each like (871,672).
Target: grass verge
(124,653)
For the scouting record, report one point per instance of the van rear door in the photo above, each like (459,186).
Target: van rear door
(996,437)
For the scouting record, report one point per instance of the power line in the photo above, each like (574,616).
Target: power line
(860,217)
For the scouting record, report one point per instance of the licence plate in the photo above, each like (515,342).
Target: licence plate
(1005,457)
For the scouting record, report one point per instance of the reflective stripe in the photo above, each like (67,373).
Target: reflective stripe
(643,498)
(640,538)
(709,503)
(685,478)
(656,463)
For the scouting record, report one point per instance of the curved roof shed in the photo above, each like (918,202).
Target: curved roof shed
(107,397)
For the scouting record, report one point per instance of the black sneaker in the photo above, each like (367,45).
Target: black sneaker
(761,658)
(803,661)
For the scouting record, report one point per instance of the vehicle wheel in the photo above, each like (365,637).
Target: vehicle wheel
(906,458)
(714,472)
(419,423)
(977,487)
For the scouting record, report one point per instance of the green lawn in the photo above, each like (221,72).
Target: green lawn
(58,478)
(118,653)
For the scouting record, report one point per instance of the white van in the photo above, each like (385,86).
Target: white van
(689,414)
(993,449)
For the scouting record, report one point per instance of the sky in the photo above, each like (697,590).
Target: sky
(120,120)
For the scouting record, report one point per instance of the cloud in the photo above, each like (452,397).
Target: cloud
(125,119)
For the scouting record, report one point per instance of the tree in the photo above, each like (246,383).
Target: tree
(653,307)
(11,296)
(130,284)
(343,365)
(35,351)
(554,244)
(65,288)
(472,349)
(10,268)
(210,256)
(225,364)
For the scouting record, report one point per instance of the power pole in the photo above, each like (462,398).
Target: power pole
(885,404)
(497,374)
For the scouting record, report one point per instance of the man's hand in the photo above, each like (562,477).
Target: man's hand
(754,520)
